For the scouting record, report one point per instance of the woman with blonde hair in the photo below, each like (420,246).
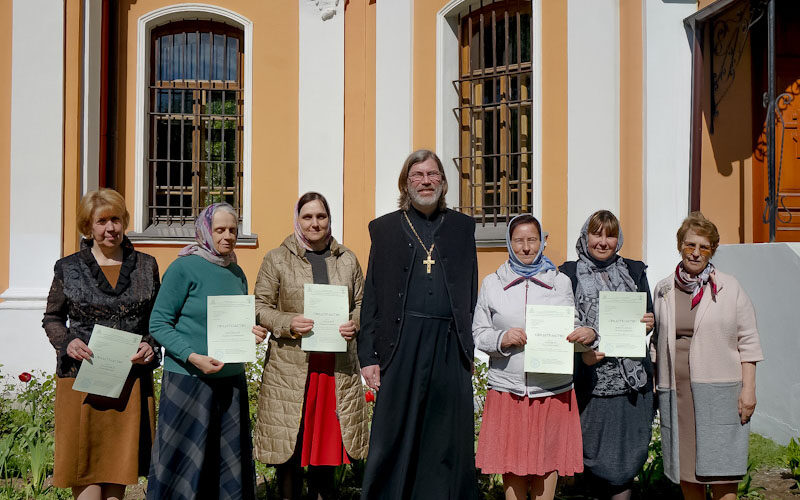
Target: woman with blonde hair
(311,407)
(707,347)
(102,444)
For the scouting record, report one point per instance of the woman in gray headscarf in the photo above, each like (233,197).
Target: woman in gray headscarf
(615,395)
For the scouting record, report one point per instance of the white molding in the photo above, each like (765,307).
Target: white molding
(447,63)
(321,108)
(36,151)
(144,25)
(592,111)
(92,67)
(667,68)
(394,63)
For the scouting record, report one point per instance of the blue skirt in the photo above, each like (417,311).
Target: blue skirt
(203,447)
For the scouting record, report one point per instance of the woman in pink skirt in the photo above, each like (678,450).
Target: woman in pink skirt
(531,430)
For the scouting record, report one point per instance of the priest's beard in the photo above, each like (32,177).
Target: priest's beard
(425,202)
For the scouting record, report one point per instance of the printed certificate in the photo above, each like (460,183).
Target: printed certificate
(548,350)
(230,320)
(622,333)
(329,307)
(105,374)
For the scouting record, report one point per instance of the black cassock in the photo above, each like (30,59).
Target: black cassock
(421,442)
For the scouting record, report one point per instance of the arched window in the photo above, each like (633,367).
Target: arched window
(495,92)
(195,120)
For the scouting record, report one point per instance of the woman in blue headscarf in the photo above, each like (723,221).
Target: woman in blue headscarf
(531,430)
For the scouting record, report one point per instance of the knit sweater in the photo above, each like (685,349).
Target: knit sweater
(178,321)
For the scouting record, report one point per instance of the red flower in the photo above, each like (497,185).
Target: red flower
(25,377)
(370,397)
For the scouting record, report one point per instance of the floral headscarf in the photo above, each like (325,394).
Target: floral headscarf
(204,242)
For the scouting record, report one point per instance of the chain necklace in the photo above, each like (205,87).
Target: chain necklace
(428,262)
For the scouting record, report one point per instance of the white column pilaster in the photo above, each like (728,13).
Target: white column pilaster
(592,111)
(667,122)
(321,104)
(36,178)
(394,43)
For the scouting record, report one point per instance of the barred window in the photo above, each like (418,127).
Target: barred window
(195,114)
(494,88)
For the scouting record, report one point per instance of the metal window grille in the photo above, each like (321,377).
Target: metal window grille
(195,119)
(495,89)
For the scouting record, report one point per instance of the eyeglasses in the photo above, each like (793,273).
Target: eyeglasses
(689,248)
(418,176)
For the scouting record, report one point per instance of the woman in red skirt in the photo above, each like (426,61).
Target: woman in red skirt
(531,430)
(311,407)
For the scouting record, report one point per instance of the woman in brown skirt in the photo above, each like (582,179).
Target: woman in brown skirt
(102,444)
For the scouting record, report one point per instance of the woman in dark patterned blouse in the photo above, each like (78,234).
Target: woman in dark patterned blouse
(102,444)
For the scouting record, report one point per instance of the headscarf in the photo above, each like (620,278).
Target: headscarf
(596,275)
(298,232)
(539,264)
(204,242)
(695,285)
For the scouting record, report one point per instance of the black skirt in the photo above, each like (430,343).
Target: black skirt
(421,445)
(203,448)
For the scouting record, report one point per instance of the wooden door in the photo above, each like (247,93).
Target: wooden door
(787,135)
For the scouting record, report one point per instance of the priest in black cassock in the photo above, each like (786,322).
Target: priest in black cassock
(415,344)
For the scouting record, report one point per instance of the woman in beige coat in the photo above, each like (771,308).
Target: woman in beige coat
(311,406)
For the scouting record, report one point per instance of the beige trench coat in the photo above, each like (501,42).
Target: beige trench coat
(279,297)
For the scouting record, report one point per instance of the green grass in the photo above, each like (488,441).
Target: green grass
(765,452)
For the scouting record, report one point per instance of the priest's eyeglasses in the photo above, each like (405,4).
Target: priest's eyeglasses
(416,177)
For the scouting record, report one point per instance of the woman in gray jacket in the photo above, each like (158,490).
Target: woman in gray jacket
(531,430)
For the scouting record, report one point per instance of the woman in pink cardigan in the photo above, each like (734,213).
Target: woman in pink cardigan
(706,348)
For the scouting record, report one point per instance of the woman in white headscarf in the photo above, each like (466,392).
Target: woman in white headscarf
(530,431)
(615,395)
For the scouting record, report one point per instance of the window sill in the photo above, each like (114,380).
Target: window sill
(180,235)
(490,234)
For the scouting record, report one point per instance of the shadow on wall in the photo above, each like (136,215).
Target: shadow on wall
(770,274)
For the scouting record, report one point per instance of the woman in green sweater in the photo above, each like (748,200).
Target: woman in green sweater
(203,446)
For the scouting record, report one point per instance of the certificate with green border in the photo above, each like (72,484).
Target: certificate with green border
(622,333)
(107,370)
(547,349)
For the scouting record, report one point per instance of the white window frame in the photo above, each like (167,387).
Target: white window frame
(146,23)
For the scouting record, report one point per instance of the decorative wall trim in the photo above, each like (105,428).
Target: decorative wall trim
(327,8)
(145,24)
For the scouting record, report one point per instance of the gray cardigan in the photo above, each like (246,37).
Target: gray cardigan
(500,308)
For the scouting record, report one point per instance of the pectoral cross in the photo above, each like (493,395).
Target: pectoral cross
(429,262)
